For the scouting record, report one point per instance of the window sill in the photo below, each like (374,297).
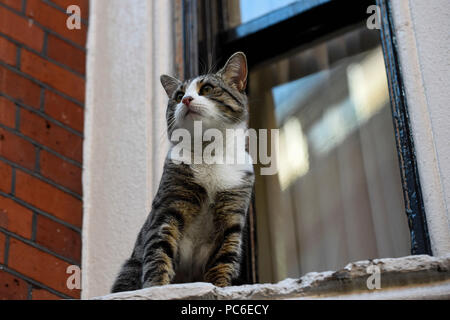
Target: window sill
(411,277)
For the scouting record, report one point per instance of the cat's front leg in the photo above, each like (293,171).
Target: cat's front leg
(230,216)
(161,248)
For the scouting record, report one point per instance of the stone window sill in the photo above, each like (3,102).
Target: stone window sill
(411,277)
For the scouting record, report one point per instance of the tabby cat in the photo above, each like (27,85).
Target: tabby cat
(194,230)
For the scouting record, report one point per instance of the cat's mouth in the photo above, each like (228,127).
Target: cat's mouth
(192,112)
(186,115)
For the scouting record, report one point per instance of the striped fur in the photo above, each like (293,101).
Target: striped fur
(194,230)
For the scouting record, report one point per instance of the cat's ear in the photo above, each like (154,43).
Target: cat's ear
(235,71)
(170,84)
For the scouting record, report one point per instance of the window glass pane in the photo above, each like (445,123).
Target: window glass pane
(251,10)
(242,11)
(337,196)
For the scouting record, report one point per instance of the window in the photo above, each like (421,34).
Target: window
(337,196)
(243,11)
(347,187)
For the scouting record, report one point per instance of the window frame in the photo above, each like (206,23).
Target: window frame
(206,43)
(412,191)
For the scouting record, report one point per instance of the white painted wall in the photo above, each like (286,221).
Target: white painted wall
(129,46)
(423,35)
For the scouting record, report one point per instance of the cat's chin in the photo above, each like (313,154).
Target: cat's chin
(193,115)
(200,122)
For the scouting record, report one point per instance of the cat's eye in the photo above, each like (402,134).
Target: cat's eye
(206,89)
(179,96)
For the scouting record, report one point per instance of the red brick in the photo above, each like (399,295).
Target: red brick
(51,135)
(7,112)
(48,198)
(8,51)
(83,4)
(5,177)
(40,266)
(58,238)
(2,247)
(60,171)
(67,54)
(55,20)
(15,4)
(19,87)
(17,149)
(15,218)
(42,294)
(64,111)
(53,75)
(20,29)
(12,288)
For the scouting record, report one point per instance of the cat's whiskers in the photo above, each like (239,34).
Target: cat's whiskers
(212,67)
(164,135)
(170,122)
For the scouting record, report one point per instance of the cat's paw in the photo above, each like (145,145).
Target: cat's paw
(217,279)
(222,283)
(149,284)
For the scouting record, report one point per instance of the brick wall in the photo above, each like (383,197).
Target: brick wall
(42,85)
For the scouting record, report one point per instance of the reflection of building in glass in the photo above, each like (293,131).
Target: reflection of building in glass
(338,194)
(293,158)
(251,9)
(367,93)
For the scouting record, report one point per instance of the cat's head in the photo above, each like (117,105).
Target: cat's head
(218,99)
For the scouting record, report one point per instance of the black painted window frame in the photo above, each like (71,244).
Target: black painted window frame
(207,44)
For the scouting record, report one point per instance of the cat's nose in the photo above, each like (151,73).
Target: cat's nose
(187,100)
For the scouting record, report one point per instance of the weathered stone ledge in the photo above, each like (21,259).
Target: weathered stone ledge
(413,277)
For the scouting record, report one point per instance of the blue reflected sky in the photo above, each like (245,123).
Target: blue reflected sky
(251,9)
(288,96)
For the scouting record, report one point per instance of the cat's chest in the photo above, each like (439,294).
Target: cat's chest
(219,177)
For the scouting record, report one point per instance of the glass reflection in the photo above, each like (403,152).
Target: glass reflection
(251,9)
(238,12)
(337,196)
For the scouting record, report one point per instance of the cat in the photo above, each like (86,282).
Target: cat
(194,231)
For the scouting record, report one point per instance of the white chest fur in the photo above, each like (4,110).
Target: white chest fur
(219,177)
(197,242)
(198,239)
